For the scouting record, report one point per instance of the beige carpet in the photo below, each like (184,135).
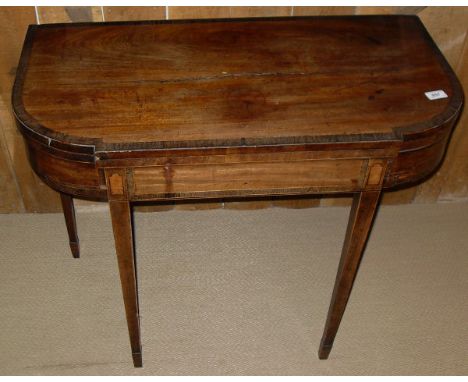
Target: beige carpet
(237,292)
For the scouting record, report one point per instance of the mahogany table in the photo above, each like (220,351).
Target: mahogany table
(189,109)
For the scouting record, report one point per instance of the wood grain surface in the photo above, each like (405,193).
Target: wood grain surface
(48,14)
(23,191)
(135,104)
(133,13)
(183,94)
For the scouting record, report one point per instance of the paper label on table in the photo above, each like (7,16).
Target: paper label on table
(436,94)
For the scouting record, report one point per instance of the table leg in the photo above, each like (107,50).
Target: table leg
(360,221)
(123,235)
(70,220)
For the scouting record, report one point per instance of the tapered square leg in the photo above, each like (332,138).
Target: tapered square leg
(70,220)
(360,221)
(123,235)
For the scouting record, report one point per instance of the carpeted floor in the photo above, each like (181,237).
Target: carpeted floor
(237,292)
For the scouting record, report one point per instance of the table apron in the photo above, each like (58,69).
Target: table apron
(210,180)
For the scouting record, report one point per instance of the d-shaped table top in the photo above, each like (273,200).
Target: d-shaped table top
(149,85)
(168,110)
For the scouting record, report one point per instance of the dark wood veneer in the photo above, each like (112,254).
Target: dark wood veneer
(196,109)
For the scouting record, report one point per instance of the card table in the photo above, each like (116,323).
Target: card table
(124,112)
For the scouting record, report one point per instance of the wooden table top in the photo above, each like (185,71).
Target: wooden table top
(144,85)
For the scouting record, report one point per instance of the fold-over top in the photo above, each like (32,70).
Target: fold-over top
(159,84)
